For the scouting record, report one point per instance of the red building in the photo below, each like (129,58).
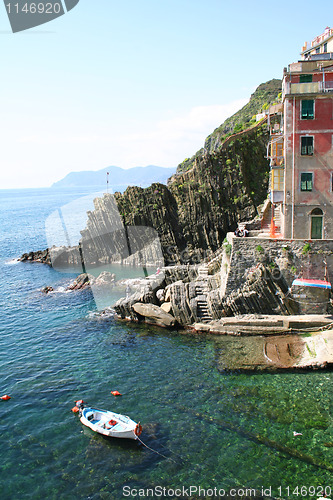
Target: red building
(301,150)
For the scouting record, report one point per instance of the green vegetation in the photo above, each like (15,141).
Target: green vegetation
(265,95)
(259,249)
(306,249)
(228,249)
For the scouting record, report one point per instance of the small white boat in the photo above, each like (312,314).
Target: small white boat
(110,424)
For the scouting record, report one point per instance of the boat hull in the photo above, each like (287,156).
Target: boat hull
(109,424)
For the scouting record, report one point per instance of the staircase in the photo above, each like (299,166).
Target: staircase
(203,272)
(203,312)
(271,213)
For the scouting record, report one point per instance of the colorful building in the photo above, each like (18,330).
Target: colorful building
(301,146)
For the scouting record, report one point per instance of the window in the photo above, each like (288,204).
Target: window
(305,79)
(318,50)
(307,145)
(277,179)
(306,181)
(307,109)
(325,47)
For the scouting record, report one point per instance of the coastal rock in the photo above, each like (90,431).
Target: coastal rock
(160,295)
(261,293)
(39,256)
(181,307)
(82,281)
(167,297)
(105,278)
(154,314)
(47,289)
(124,306)
(167,307)
(186,221)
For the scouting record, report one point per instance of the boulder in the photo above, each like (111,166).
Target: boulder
(160,295)
(124,306)
(82,281)
(167,297)
(154,314)
(105,278)
(167,307)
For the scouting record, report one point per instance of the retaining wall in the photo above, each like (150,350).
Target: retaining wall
(301,258)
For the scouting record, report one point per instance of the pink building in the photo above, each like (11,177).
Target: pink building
(301,147)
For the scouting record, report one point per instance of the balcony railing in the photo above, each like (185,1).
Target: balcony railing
(308,88)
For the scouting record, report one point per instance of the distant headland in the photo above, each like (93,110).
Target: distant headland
(117,177)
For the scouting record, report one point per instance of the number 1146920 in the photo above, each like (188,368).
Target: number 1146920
(34,8)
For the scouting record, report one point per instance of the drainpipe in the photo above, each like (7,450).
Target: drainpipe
(293,178)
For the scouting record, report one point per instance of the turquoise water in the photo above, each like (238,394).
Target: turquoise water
(217,429)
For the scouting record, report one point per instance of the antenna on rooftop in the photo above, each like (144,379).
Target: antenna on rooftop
(107,182)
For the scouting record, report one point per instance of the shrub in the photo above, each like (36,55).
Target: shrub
(228,249)
(306,249)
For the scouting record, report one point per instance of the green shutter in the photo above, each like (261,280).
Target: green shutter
(306,181)
(307,145)
(305,79)
(307,112)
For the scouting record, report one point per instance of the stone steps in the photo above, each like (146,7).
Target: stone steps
(203,312)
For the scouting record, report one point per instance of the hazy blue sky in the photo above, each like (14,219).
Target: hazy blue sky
(135,83)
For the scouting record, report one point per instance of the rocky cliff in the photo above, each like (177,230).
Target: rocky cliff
(209,195)
(219,187)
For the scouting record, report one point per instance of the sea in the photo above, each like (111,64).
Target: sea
(207,432)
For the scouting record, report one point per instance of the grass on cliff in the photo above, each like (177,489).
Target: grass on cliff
(264,96)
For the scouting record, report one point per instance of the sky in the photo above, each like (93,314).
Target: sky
(131,83)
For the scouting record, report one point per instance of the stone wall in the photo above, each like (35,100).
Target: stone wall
(292,258)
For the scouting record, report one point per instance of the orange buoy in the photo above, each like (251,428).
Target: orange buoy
(116,393)
(138,429)
(5,397)
(75,409)
(112,422)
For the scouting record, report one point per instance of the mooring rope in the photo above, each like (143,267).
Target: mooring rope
(154,451)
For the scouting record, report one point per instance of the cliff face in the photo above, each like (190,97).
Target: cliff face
(193,214)
(209,195)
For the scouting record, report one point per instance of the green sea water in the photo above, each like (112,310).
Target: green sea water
(215,429)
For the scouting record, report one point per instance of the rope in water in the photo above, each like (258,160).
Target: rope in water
(154,451)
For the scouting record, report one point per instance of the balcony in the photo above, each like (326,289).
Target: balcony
(307,88)
(324,56)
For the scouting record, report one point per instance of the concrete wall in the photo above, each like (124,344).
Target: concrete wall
(288,255)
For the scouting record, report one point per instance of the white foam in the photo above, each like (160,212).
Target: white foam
(12,262)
